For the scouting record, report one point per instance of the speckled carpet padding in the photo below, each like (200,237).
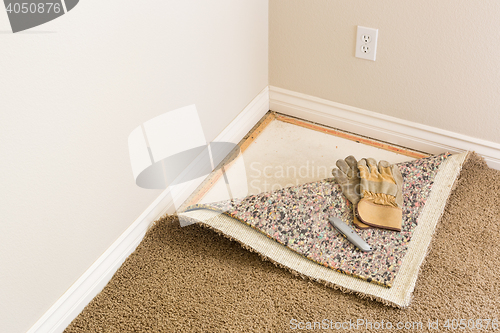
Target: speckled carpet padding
(290,228)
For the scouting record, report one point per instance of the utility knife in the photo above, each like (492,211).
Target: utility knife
(350,234)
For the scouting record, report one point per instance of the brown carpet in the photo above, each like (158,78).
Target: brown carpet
(194,280)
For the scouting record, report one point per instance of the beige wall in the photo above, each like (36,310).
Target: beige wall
(71,91)
(438,62)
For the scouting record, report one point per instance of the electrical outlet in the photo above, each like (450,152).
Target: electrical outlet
(366,43)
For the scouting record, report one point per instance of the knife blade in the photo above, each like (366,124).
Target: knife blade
(350,234)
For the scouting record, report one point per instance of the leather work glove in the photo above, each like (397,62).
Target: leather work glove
(347,176)
(381,194)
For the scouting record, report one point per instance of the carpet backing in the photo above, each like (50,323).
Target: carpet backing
(193,280)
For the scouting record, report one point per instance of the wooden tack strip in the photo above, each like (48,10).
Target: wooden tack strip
(348,136)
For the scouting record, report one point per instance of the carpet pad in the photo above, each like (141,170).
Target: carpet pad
(297,218)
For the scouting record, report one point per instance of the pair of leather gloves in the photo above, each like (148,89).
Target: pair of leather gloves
(374,190)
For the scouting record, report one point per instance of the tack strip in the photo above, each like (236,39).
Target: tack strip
(349,136)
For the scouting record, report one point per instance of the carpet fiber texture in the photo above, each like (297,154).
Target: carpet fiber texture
(193,280)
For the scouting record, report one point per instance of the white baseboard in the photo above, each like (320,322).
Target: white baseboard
(74,300)
(381,127)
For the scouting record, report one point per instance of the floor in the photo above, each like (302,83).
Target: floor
(282,151)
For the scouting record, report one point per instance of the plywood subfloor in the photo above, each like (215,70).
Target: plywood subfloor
(283,151)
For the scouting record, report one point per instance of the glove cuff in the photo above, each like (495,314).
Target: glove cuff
(379,216)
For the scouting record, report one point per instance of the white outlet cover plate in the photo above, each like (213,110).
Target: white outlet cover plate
(366,43)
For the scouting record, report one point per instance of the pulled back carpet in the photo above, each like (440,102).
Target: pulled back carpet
(192,279)
(297,218)
(290,227)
